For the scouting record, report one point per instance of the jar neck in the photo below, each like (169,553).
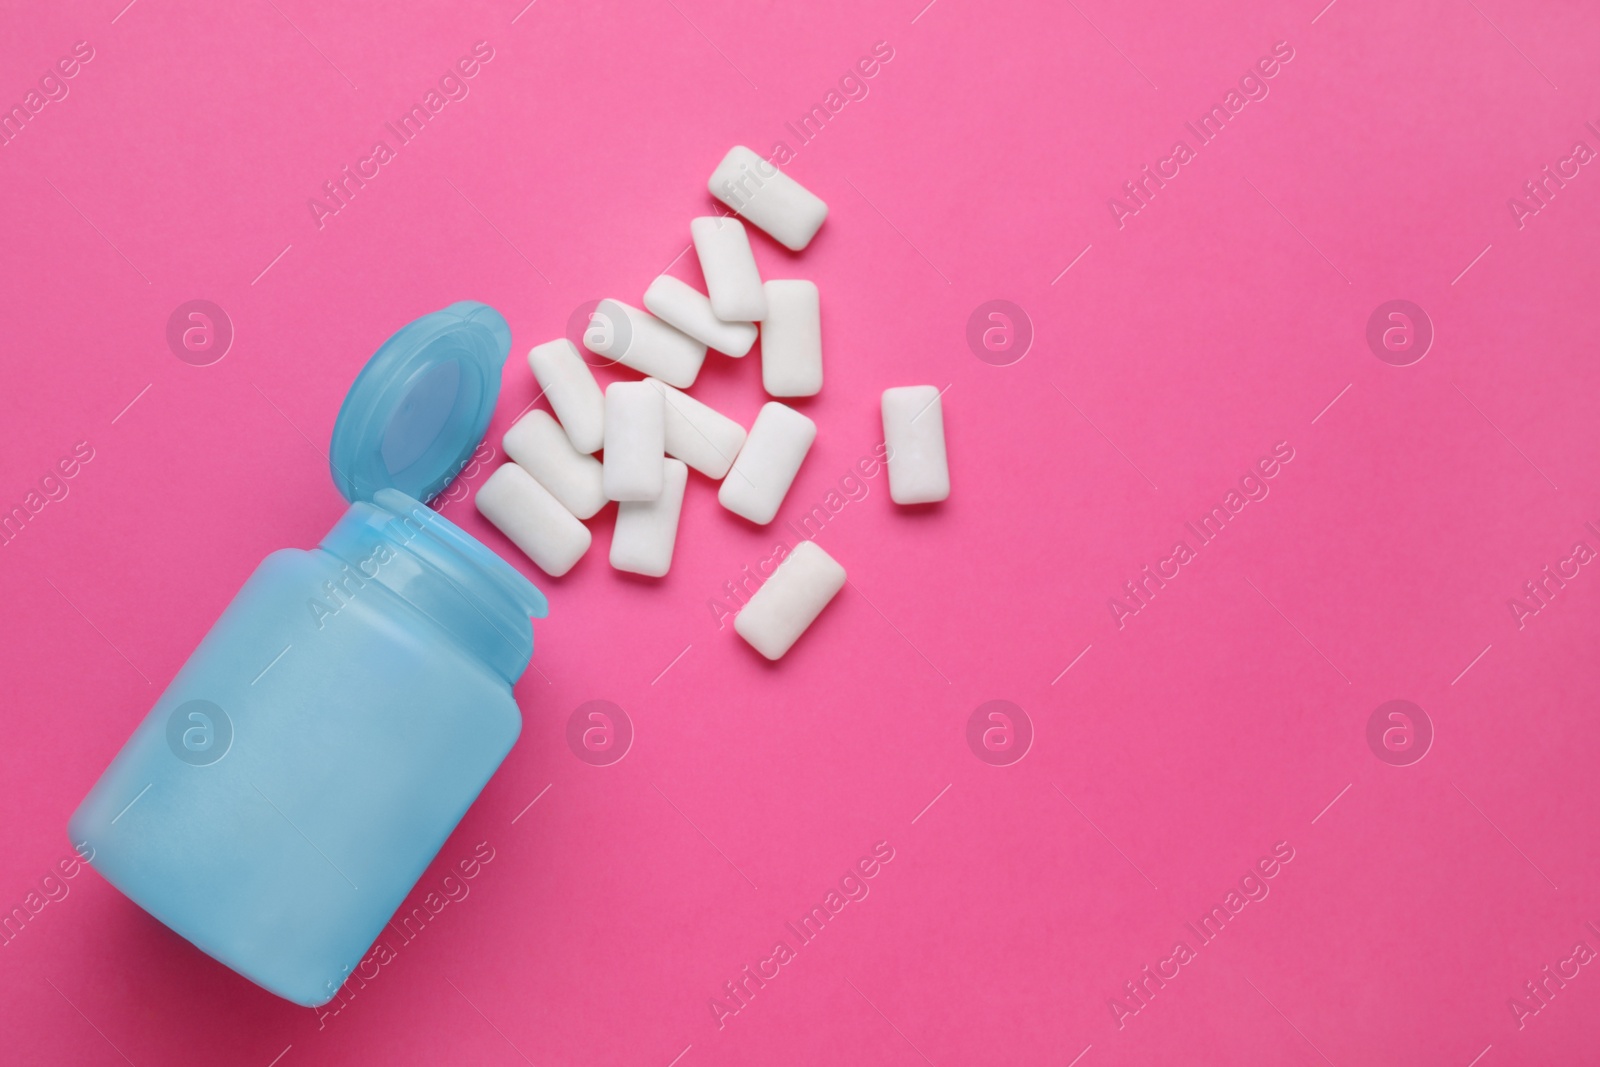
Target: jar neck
(466,590)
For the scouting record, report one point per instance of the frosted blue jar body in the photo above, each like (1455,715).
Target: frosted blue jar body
(319,746)
(309,760)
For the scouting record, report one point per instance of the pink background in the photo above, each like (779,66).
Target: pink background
(1177,750)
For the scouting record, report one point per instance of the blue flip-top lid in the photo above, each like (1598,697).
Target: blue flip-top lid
(420,406)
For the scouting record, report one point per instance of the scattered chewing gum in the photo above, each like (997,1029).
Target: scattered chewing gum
(729,267)
(533,519)
(789,601)
(647,530)
(635,446)
(913,429)
(765,467)
(701,436)
(682,306)
(787,211)
(538,444)
(791,339)
(573,393)
(639,340)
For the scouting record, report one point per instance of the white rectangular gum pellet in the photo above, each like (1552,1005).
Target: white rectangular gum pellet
(913,430)
(647,530)
(702,437)
(790,601)
(790,213)
(791,339)
(766,465)
(635,448)
(539,446)
(681,305)
(573,393)
(639,340)
(732,280)
(533,519)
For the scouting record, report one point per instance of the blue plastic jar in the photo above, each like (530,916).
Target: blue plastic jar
(310,759)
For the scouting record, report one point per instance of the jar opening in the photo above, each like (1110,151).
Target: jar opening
(466,589)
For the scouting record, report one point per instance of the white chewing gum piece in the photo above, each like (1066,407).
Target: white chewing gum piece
(791,339)
(533,519)
(681,305)
(765,467)
(573,393)
(768,198)
(639,340)
(647,530)
(539,445)
(635,447)
(913,429)
(790,601)
(732,281)
(701,436)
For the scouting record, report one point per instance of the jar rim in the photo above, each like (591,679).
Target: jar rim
(526,596)
(455,581)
